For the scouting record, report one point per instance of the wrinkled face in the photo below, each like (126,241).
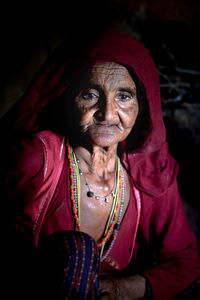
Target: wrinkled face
(107,106)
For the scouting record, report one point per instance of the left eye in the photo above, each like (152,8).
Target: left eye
(122,97)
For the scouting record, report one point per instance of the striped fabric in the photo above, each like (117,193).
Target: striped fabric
(73,262)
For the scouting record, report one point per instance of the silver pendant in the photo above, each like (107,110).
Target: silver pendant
(106,200)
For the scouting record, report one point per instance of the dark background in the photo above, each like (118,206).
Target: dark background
(169,29)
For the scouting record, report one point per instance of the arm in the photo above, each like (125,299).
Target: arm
(178,263)
(23,172)
(165,228)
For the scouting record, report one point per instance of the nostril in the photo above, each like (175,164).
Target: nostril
(106,110)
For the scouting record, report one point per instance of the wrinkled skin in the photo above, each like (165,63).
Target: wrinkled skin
(108,106)
(107,111)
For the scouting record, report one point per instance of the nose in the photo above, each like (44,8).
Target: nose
(107,110)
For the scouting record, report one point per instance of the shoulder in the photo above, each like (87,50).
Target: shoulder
(27,154)
(27,160)
(53,149)
(50,141)
(23,165)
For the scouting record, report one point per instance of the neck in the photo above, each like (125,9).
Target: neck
(98,161)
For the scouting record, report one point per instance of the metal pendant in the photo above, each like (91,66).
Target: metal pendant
(106,200)
(90,194)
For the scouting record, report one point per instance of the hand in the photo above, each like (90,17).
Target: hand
(128,288)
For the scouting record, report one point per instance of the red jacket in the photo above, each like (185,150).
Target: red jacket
(44,207)
(42,183)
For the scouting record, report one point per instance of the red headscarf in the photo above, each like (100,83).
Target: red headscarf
(153,170)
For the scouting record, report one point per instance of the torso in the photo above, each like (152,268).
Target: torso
(94,213)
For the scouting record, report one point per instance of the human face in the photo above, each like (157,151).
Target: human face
(107,107)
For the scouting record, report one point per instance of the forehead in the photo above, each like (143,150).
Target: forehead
(110,73)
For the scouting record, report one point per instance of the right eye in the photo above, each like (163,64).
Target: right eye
(90,95)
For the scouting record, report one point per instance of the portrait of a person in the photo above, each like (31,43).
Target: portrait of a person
(95,210)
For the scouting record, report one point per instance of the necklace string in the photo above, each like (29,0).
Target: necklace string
(117,205)
(78,181)
(90,193)
(118,222)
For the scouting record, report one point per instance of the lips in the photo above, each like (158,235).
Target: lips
(105,129)
(105,125)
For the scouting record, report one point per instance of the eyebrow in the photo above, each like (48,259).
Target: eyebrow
(121,89)
(92,86)
(129,90)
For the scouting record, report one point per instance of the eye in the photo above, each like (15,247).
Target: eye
(123,96)
(90,95)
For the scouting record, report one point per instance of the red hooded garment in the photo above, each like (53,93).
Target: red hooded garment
(165,249)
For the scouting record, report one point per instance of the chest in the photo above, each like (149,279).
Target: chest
(93,217)
(94,214)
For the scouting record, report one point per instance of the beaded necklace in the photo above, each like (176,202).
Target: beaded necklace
(91,194)
(114,220)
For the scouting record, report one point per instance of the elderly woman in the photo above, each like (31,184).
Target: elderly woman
(91,181)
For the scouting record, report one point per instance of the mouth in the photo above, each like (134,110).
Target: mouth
(105,129)
(108,127)
(105,125)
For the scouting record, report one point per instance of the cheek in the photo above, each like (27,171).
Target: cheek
(129,116)
(85,116)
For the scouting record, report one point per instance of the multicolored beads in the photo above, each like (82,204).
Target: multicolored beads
(75,191)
